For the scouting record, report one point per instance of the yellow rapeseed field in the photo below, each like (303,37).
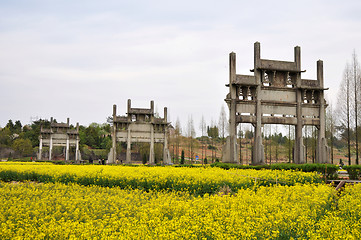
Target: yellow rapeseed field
(197,181)
(63,208)
(58,211)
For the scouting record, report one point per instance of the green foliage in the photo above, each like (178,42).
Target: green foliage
(211,147)
(5,137)
(205,161)
(13,136)
(33,131)
(213,131)
(144,159)
(96,136)
(23,146)
(182,158)
(158,153)
(10,126)
(95,154)
(354,171)
(144,151)
(249,134)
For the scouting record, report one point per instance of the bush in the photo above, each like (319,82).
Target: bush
(182,158)
(354,171)
(211,147)
(144,159)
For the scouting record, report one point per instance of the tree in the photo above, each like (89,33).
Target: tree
(223,123)
(96,136)
(249,134)
(290,143)
(178,133)
(203,128)
(356,81)
(343,107)
(23,146)
(212,132)
(10,126)
(33,131)
(240,136)
(330,129)
(191,133)
(17,127)
(5,137)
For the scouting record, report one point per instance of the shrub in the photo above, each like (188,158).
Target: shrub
(182,158)
(354,171)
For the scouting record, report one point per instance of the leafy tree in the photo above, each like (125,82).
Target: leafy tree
(5,137)
(249,134)
(96,136)
(212,133)
(23,146)
(32,133)
(10,126)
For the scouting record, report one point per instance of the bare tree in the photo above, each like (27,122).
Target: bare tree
(330,128)
(291,133)
(178,133)
(343,108)
(356,82)
(223,123)
(240,136)
(277,143)
(191,133)
(203,128)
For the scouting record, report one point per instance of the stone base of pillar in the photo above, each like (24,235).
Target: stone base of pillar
(166,157)
(67,155)
(258,152)
(323,152)
(226,152)
(302,153)
(151,157)
(77,157)
(111,157)
(128,158)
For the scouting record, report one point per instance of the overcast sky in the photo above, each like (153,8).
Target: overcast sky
(77,58)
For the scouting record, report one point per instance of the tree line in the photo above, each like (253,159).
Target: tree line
(17,140)
(344,121)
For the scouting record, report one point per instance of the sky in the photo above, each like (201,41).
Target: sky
(76,58)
